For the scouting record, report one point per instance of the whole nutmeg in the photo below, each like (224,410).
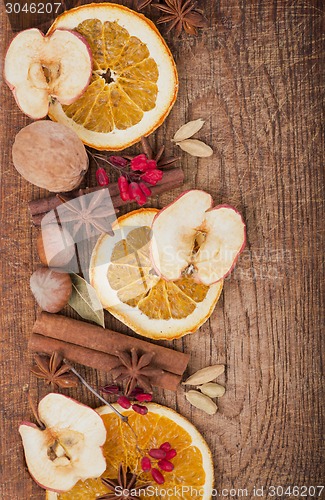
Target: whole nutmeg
(55,246)
(50,155)
(51,290)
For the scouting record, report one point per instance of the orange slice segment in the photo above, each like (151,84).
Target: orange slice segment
(125,112)
(133,52)
(145,71)
(100,115)
(143,94)
(79,112)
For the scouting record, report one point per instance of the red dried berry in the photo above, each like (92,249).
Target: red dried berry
(152,176)
(145,189)
(142,410)
(102,177)
(124,188)
(135,193)
(118,161)
(124,402)
(141,199)
(136,391)
(142,164)
(132,190)
(124,196)
(151,165)
(165,465)
(157,453)
(144,398)
(166,446)
(110,389)
(157,476)
(146,464)
(171,454)
(139,163)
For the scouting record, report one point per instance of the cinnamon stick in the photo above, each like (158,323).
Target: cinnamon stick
(39,208)
(94,359)
(96,347)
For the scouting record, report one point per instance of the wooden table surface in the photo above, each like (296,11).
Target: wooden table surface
(255,76)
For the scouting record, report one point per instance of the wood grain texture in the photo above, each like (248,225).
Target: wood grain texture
(255,75)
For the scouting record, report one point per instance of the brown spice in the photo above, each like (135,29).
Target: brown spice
(136,370)
(126,483)
(89,214)
(161,160)
(141,4)
(53,371)
(181,15)
(92,346)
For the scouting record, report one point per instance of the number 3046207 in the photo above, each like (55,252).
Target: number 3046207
(33,8)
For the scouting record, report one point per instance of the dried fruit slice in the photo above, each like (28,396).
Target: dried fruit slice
(69,449)
(134,83)
(193,465)
(123,277)
(38,67)
(190,234)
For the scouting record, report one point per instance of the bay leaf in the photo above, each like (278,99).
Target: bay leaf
(188,130)
(196,148)
(85,302)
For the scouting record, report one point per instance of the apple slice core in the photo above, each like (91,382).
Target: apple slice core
(192,237)
(38,68)
(69,449)
(174,230)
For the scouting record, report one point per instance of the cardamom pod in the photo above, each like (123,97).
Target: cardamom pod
(188,130)
(212,390)
(201,402)
(205,375)
(195,148)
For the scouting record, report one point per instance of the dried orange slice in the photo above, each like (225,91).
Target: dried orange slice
(193,467)
(128,287)
(134,82)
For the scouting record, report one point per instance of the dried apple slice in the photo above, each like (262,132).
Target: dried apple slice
(190,235)
(69,449)
(38,68)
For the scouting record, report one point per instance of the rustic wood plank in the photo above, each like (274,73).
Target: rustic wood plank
(255,76)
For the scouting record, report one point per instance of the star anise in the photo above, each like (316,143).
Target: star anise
(126,483)
(141,4)
(87,215)
(181,15)
(136,370)
(161,160)
(53,371)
